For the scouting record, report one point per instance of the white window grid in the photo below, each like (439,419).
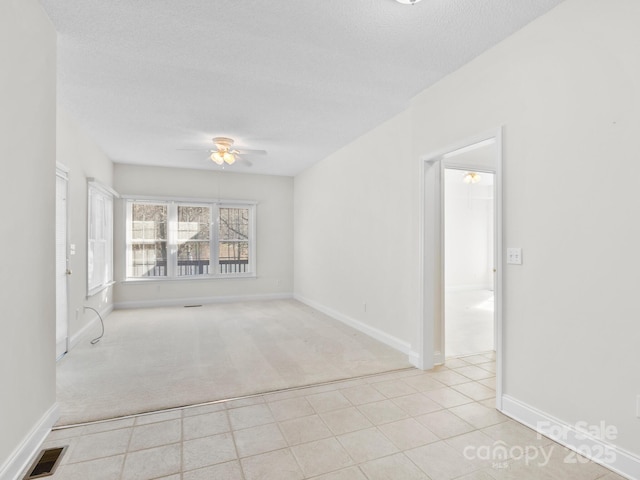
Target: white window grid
(173,240)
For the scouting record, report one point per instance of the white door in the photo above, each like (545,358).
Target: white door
(62,271)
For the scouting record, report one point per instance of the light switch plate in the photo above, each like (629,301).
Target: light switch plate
(514,256)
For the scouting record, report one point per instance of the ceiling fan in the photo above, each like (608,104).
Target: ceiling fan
(225,152)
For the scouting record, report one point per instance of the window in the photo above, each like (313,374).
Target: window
(194,240)
(233,239)
(169,239)
(99,237)
(148,245)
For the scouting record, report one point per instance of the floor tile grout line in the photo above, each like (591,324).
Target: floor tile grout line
(235,445)
(414,463)
(288,446)
(92,460)
(126,452)
(181,444)
(333,435)
(400,452)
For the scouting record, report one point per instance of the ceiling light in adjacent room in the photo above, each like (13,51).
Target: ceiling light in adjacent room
(471,177)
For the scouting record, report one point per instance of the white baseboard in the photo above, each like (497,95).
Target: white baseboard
(24,453)
(600,451)
(80,334)
(414,358)
(379,335)
(438,358)
(179,302)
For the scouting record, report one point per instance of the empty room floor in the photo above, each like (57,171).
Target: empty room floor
(158,358)
(403,425)
(468,322)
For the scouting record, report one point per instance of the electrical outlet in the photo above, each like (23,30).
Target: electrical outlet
(638,405)
(514,256)
(364,306)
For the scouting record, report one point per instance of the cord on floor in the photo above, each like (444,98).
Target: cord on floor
(97,339)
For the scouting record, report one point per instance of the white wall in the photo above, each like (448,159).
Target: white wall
(27,231)
(274,229)
(566,89)
(355,231)
(84,159)
(468,232)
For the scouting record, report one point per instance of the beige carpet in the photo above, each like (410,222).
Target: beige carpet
(153,359)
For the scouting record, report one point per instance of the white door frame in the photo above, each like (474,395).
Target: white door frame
(62,172)
(431,324)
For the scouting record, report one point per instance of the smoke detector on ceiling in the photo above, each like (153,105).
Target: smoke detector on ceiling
(407,2)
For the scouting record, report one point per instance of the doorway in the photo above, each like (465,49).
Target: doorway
(469,320)
(479,154)
(62,268)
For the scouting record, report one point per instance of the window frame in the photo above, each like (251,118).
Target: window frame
(251,265)
(172,219)
(172,204)
(129,241)
(96,189)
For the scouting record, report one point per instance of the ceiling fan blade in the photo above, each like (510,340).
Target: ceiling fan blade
(250,151)
(244,160)
(245,151)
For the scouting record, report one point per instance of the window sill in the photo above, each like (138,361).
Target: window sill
(187,278)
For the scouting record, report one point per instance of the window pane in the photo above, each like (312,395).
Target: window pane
(100,239)
(149,222)
(148,260)
(234,257)
(193,223)
(234,223)
(148,241)
(193,240)
(193,258)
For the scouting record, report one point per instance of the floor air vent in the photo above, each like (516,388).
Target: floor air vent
(46,463)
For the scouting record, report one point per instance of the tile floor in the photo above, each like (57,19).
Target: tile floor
(403,425)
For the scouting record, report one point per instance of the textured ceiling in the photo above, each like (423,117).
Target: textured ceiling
(298,78)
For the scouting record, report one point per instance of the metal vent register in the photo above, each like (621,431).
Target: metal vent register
(46,463)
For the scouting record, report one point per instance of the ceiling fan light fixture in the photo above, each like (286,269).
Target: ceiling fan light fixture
(229,157)
(224,152)
(408,2)
(217,158)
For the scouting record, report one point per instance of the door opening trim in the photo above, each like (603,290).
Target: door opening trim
(431,321)
(62,301)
